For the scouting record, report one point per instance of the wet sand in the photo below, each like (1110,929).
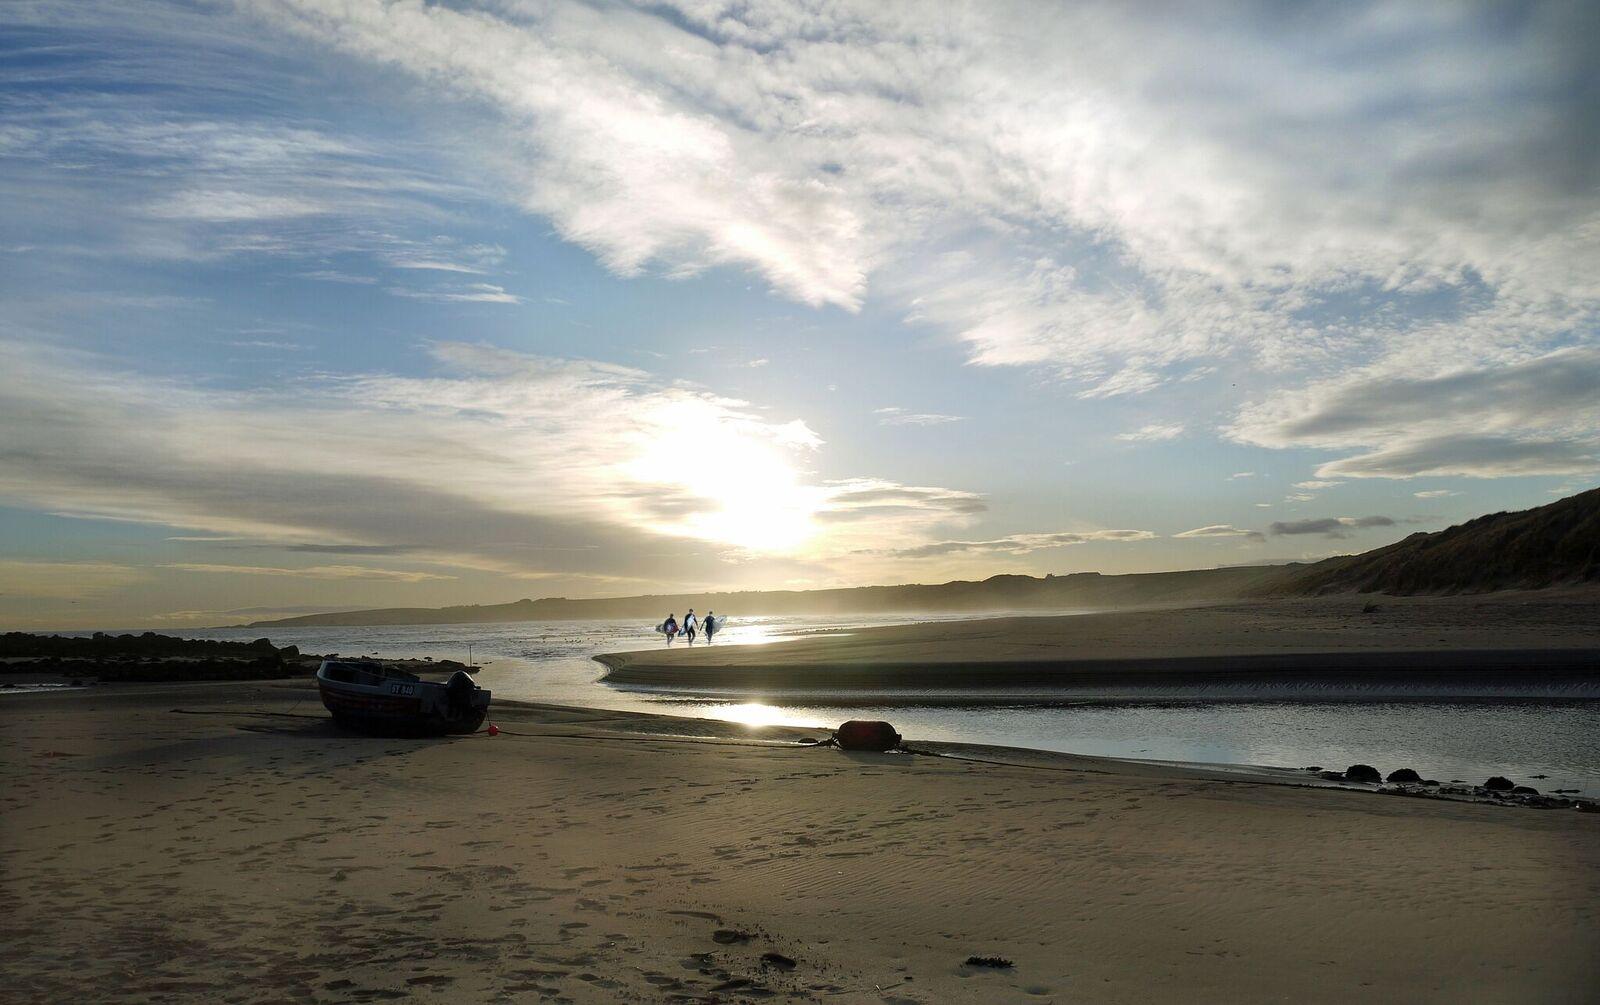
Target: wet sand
(211,842)
(1543,641)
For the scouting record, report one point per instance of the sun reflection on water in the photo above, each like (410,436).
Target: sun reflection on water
(754,713)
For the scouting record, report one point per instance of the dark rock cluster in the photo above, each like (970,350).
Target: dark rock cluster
(1407,782)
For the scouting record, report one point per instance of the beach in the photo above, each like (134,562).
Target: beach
(1358,645)
(223,842)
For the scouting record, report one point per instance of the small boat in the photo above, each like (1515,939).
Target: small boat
(386,701)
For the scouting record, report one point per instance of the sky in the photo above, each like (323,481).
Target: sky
(322,304)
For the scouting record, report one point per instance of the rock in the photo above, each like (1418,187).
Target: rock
(1314,768)
(1332,776)
(729,936)
(1524,790)
(1499,784)
(1362,773)
(1586,805)
(998,962)
(1432,783)
(778,960)
(1403,775)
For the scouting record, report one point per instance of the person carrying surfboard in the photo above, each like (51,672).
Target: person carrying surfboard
(690,624)
(710,625)
(669,627)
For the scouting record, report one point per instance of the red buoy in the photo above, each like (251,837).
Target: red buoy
(867,734)
(494,730)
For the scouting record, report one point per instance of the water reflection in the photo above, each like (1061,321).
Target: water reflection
(551,662)
(753,713)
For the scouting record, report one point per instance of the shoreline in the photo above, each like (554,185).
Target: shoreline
(669,727)
(1332,676)
(1536,645)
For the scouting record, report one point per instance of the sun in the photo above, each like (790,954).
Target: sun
(740,484)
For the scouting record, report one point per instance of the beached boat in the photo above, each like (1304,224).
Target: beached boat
(387,701)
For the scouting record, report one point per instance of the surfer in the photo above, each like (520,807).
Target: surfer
(710,625)
(669,627)
(689,625)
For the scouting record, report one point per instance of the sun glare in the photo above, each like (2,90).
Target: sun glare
(740,485)
(756,714)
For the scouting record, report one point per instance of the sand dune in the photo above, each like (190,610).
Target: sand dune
(248,852)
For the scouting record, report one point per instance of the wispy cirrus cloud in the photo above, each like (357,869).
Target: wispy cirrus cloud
(1021,544)
(894,416)
(988,173)
(312,572)
(1155,432)
(1075,250)
(472,293)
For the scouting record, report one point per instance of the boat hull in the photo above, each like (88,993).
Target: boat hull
(395,706)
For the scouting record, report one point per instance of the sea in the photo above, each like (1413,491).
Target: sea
(1550,743)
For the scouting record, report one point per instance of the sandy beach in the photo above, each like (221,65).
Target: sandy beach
(223,842)
(1357,643)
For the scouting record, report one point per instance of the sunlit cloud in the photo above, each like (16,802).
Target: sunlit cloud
(1221,530)
(1074,249)
(507,462)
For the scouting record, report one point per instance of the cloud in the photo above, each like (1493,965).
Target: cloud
(993,171)
(350,549)
(1470,457)
(473,293)
(1221,530)
(502,461)
(1333,527)
(1435,494)
(443,254)
(1155,432)
(1241,474)
(1021,544)
(1317,485)
(1539,415)
(892,416)
(313,572)
(1113,198)
(40,580)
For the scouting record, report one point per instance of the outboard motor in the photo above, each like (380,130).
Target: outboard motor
(867,734)
(458,693)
